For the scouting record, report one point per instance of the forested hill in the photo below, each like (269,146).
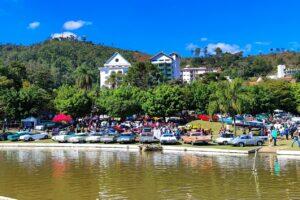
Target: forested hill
(59,59)
(52,63)
(237,65)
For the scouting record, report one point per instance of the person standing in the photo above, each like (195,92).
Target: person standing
(274,134)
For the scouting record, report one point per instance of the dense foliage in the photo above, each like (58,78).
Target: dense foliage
(62,76)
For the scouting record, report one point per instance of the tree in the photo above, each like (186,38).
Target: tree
(9,102)
(143,75)
(197,52)
(15,72)
(199,95)
(165,100)
(114,80)
(280,95)
(72,100)
(218,52)
(84,77)
(296,93)
(205,51)
(40,75)
(33,100)
(229,98)
(121,102)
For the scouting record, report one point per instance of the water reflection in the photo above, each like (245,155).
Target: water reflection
(91,174)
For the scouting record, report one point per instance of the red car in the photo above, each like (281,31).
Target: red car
(204,117)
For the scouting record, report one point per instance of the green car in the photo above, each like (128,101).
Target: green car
(15,137)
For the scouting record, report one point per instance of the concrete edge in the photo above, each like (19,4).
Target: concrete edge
(288,152)
(118,146)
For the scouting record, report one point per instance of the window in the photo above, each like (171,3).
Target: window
(117,60)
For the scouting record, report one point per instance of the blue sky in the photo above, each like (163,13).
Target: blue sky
(158,25)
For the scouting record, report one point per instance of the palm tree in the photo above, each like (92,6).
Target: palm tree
(84,77)
(114,79)
(229,98)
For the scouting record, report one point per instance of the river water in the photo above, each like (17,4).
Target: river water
(94,174)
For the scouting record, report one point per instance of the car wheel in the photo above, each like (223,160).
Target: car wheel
(259,143)
(30,139)
(225,142)
(241,144)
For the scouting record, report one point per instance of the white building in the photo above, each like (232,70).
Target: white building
(169,65)
(116,64)
(189,74)
(282,72)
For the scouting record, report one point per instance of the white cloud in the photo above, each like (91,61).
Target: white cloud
(64,35)
(34,25)
(263,43)
(203,39)
(191,46)
(73,25)
(226,48)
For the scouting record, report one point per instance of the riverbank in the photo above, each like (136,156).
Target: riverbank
(209,149)
(133,147)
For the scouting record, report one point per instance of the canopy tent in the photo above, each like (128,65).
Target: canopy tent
(62,118)
(29,122)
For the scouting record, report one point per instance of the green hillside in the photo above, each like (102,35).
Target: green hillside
(59,59)
(237,65)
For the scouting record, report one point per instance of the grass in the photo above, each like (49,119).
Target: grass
(283,144)
(214,126)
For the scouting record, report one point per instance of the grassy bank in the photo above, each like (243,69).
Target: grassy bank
(214,126)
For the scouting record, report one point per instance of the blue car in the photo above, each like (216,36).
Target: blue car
(126,138)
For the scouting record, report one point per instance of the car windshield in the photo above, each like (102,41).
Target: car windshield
(168,135)
(127,135)
(147,130)
(146,134)
(196,134)
(227,135)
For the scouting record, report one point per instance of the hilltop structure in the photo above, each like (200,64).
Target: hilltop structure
(169,65)
(116,64)
(283,72)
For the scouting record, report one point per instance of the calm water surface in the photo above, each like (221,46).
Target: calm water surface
(89,174)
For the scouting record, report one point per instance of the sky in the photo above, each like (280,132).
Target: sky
(151,26)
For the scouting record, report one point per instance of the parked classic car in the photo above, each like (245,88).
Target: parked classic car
(32,137)
(148,138)
(16,136)
(247,140)
(168,138)
(63,136)
(94,137)
(109,138)
(196,138)
(126,138)
(3,136)
(77,138)
(225,138)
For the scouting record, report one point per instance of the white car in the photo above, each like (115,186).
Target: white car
(93,138)
(168,139)
(225,138)
(63,136)
(77,138)
(32,137)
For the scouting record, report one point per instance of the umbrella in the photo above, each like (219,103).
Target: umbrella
(62,118)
